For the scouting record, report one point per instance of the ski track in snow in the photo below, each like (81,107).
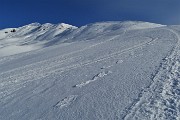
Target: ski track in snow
(58,60)
(41,69)
(95,78)
(53,62)
(160,100)
(17,80)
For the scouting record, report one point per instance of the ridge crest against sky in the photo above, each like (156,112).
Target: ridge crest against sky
(15,13)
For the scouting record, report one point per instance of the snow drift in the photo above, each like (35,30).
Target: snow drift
(102,71)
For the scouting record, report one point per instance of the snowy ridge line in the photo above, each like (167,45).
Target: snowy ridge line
(17,80)
(27,53)
(7,58)
(33,37)
(160,100)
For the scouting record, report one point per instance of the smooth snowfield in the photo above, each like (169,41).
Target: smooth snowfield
(102,71)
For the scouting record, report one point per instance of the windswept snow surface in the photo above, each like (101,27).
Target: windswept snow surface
(31,37)
(102,71)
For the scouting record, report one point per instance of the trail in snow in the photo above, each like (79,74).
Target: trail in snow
(20,78)
(83,63)
(52,62)
(161,100)
(96,77)
(66,101)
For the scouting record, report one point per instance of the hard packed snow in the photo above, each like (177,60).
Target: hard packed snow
(102,71)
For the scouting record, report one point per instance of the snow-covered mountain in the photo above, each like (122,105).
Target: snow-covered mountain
(30,37)
(36,36)
(102,71)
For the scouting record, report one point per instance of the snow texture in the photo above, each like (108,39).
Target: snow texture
(103,71)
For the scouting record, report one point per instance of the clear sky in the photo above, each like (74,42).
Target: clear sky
(15,13)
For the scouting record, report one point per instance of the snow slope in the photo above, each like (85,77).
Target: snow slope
(101,71)
(30,37)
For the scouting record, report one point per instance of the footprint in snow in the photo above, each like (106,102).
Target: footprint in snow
(119,61)
(66,101)
(96,77)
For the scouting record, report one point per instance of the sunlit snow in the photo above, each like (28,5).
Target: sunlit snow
(103,71)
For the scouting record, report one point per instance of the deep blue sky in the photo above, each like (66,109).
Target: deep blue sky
(15,13)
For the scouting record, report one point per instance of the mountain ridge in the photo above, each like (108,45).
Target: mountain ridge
(35,35)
